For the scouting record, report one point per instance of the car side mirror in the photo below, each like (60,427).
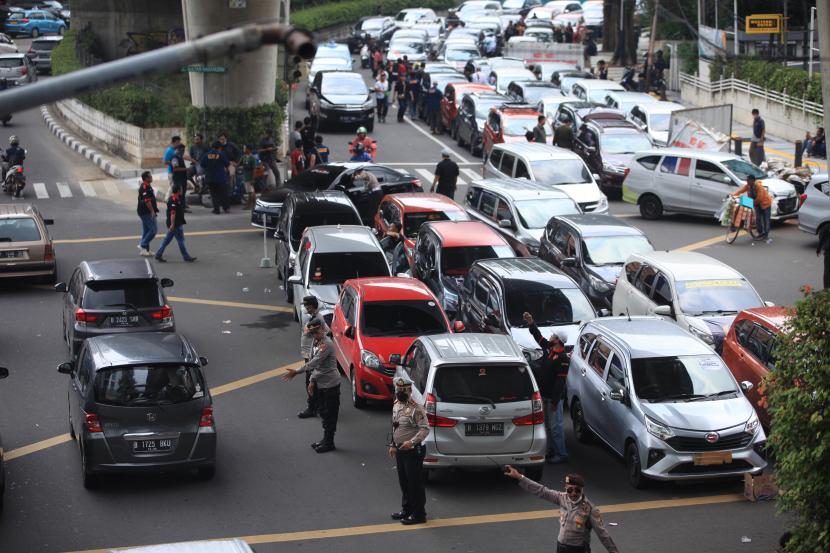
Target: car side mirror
(663,310)
(595,175)
(604,313)
(313,89)
(66,368)
(395,359)
(203,361)
(769,304)
(618,395)
(295,279)
(48,221)
(458,327)
(727,179)
(569,262)
(280,235)
(166,283)
(746,385)
(60,287)
(491,320)
(4,372)
(505,223)
(348,332)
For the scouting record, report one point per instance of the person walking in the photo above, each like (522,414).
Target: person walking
(432,105)
(759,134)
(563,135)
(298,159)
(325,379)
(539,134)
(309,148)
(414,86)
(762,205)
(577,515)
(588,51)
(824,246)
(295,134)
(179,173)
(147,212)
(248,164)
(409,430)
(169,152)
(551,376)
(175,228)
(400,94)
(215,163)
(381,89)
(267,155)
(311,307)
(446,175)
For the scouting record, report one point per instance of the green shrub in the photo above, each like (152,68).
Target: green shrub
(775,77)
(688,56)
(349,11)
(243,125)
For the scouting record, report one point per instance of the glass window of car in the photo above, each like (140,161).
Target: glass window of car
(659,121)
(707,170)
(657,379)
(624,143)
(519,126)
(467,106)
(130,293)
(421,364)
(743,329)
(495,157)
(662,291)
(141,385)
(649,162)
(457,261)
(716,296)
(84,371)
(560,239)
(347,304)
(338,84)
(503,212)
(645,279)
(19,229)
(488,204)
(507,162)
(336,268)
(549,304)
(613,250)
(560,171)
(521,170)
(481,292)
(760,344)
(616,373)
(742,169)
(585,343)
(631,270)
(413,221)
(402,318)
(494,121)
(535,214)
(482,384)
(599,357)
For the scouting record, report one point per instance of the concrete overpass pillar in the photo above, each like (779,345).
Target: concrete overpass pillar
(823,30)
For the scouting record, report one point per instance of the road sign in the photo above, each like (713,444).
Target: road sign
(764,23)
(203,69)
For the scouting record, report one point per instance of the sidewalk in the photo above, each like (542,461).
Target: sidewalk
(777,147)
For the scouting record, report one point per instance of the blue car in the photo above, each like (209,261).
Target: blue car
(34,23)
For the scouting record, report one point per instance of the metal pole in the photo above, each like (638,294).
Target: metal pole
(812,30)
(651,44)
(735,15)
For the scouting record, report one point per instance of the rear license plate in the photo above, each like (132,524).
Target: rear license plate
(12,254)
(713,458)
(484,429)
(153,446)
(130,320)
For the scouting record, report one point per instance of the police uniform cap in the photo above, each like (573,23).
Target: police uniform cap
(402,383)
(575,480)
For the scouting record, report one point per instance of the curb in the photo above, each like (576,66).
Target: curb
(77,146)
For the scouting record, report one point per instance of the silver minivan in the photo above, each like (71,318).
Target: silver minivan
(482,402)
(663,400)
(815,206)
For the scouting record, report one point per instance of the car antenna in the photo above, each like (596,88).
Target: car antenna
(629,314)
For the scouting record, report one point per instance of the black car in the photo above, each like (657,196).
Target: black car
(114,296)
(607,145)
(530,92)
(139,403)
(4,372)
(575,111)
(591,249)
(373,26)
(472,113)
(522,7)
(341,98)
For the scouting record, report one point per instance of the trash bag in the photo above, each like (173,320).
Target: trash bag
(724,212)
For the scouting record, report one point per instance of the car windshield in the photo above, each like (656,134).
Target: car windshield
(532,94)
(372,24)
(44,45)
(537,213)
(659,122)
(337,268)
(347,86)
(550,305)
(19,229)
(459,54)
(743,169)
(683,378)
(483,106)
(715,297)
(540,35)
(560,171)
(613,250)
(457,261)
(142,385)
(413,221)
(518,126)
(482,384)
(628,143)
(137,293)
(407,47)
(513,4)
(10,62)
(16,15)
(402,318)
(302,222)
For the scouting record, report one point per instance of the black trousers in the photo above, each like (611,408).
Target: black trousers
(314,398)
(411,478)
(402,104)
(329,403)
(219,196)
(562,548)
(448,192)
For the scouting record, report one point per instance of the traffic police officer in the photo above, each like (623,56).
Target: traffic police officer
(577,515)
(409,430)
(325,379)
(311,306)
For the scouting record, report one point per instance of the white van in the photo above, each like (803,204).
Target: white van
(655,119)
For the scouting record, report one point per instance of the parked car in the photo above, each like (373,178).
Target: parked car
(373,27)
(34,23)
(593,15)
(663,401)
(114,296)
(554,167)
(563,6)
(376,318)
(341,98)
(7,45)
(458,54)
(451,102)
(407,17)
(748,350)
(566,78)
(698,293)
(510,123)
(482,402)
(518,209)
(520,7)
(4,373)
(328,257)
(444,252)
(814,212)
(303,210)
(624,100)
(530,92)
(472,114)
(576,111)
(139,402)
(413,45)
(501,78)
(331,49)
(26,249)
(594,90)
(654,118)
(17,69)
(326,64)
(684,180)
(40,52)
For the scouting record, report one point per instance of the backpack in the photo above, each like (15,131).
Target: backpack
(592,48)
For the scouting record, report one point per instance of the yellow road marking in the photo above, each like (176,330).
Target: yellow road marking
(701,244)
(37,446)
(818,164)
(520,516)
(259,306)
(137,237)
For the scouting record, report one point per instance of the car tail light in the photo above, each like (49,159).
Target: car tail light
(802,199)
(24,20)
(93,424)
(537,415)
(163,314)
(416,183)
(432,418)
(626,172)
(206,421)
(24,70)
(20,167)
(83,317)
(48,253)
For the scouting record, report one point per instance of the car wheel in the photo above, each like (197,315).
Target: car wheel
(357,401)
(90,480)
(581,430)
(61,30)
(651,207)
(534,472)
(632,464)
(289,288)
(206,473)
(35,32)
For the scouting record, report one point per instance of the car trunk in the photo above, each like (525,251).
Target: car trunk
(20,242)
(12,68)
(124,304)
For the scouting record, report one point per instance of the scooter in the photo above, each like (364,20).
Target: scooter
(365,58)
(369,144)
(15,181)
(627,81)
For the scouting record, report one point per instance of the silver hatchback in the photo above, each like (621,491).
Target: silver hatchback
(815,207)
(482,402)
(663,400)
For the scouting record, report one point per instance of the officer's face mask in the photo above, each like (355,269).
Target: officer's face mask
(402,395)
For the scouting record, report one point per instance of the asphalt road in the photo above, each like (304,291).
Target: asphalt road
(270,486)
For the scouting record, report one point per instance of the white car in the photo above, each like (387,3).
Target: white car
(327,64)
(563,6)
(407,17)
(655,119)
(624,100)
(594,90)
(334,50)
(501,78)
(698,293)
(684,180)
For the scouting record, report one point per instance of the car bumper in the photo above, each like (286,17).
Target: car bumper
(681,465)
(265,217)
(611,180)
(535,456)
(374,385)
(100,460)
(42,65)
(26,269)
(345,115)
(808,227)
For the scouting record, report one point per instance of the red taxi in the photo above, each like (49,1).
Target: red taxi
(510,123)
(452,100)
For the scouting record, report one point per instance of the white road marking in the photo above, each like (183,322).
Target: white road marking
(111,189)
(473,175)
(455,154)
(87,189)
(40,191)
(64,190)
(132,184)
(426,176)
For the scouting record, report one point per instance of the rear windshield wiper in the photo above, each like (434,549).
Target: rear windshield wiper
(716,394)
(476,398)
(127,305)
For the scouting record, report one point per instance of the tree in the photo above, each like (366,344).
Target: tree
(798,392)
(624,54)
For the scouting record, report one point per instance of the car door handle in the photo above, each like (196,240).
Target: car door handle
(583,372)
(602,396)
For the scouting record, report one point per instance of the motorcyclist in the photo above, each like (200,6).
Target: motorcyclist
(359,153)
(14,154)
(368,144)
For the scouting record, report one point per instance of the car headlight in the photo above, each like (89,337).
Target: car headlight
(752,424)
(603,202)
(599,285)
(369,103)
(532,354)
(703,335)
(370,360)
(658,430)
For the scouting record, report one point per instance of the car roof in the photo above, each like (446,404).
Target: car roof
(519,189)
(613,126)
(50,38)
(458,234)
(594,224)
(660,107)
(526,268)
(455,348)
(647,337)
(130,348)
(390,288)
(464,87)
(710,155)
(630,94)
(536,152)
(413,202)
(598,84)
(486,95)
(775,316)
(313,201)
(342,238)
(344,74)
(688,265)
(117,269)
(8,211)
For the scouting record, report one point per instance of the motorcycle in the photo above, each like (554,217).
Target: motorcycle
(627,81)
(14,181)
(368,143)
(365,57)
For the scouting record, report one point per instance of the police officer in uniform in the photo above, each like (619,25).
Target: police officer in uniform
(577,515)
(409,430)
(311,306)
(325,379)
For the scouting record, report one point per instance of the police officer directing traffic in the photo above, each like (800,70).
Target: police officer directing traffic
(409,430)
(577,515)
(325,379)
(311,306)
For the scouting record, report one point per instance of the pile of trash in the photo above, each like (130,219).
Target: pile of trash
(784,170)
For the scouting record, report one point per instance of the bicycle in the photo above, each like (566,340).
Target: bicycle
(742,218)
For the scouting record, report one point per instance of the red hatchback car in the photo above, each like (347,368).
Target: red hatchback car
(748,350)
(378,317)
(452,99)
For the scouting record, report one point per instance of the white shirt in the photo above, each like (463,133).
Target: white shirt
(381,87)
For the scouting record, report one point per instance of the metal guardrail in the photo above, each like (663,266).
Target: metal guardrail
(732,84)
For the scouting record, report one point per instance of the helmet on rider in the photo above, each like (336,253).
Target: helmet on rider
(13,140)
(361,130)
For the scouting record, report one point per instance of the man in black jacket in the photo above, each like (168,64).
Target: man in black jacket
(551,377)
